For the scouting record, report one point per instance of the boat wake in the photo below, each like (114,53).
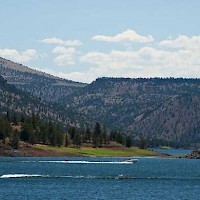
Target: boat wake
(121,176)
(81,162)
(19,175)
(87,162)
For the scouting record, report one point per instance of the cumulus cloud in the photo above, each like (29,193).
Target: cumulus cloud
(58,41)
(126,36)
(182,41)
(21,57)
(66,56)
(145,62)
(179,57)
(84,77)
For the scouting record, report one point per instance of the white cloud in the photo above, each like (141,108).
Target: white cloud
(63,50)
(126,36)
(66,56)
(178,57)
(84,77)
(182,41)
(145,62)
(58,41)
(21,57)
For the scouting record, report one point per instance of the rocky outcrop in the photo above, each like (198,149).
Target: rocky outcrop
(194,155)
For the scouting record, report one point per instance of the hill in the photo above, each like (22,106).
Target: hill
(20,102)
(40,84)
(163,109)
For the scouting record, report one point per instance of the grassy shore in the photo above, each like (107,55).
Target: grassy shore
(100,152)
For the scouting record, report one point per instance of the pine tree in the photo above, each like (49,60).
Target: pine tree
(87,135)
(5,128)
(14,120)
(14,139)
(44,133)
(142,142)
(97,135)
(67,140)
(77,139)
(27,129)
(72,132)
(32,137)
(128,141)
(52,134)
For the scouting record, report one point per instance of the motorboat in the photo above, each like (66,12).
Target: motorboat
(132,160)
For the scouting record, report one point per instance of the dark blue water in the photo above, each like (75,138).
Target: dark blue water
(149,178)
(173,152)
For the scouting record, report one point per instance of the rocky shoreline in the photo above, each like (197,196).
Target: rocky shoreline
(194,155)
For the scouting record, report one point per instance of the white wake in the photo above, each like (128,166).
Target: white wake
(19,175)
(86,162)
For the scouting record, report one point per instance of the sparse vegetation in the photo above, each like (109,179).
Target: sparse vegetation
(163,110)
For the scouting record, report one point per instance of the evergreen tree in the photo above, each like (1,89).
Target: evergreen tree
(105,136)
(128,141)
(143,142)
(72,132)
(15,120)
(8,116)
(44,133)
(59,136)
(5,128)
(119,138)
(22,120)
(77,139)
(87,135)
(52,134)
(97,137)
(27,129)
(14,139)
(32,137)
(67,140)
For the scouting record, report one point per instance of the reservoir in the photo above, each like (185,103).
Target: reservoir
(149,178)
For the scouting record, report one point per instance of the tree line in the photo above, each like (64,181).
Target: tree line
(31,129)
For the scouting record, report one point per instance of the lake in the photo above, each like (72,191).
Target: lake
(149,178)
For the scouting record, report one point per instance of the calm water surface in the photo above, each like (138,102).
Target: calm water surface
(173,151)
(149,178)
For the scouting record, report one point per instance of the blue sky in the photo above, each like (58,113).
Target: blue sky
(85,39)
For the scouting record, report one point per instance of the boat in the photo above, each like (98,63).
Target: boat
(132,160)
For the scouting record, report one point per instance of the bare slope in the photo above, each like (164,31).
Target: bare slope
(40,84)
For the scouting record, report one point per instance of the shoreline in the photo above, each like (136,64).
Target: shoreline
(27,150)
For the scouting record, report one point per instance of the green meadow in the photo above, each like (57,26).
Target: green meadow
(100,152)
